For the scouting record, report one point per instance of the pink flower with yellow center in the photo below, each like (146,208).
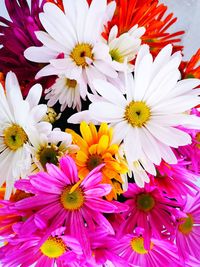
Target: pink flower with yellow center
(41,249)
(150,210)
(188,230)
(64,200)
(160,253)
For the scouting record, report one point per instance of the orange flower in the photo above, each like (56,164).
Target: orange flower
(96,148)
(191,69)
(149,14)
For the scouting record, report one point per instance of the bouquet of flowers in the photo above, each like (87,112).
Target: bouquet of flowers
(99,136)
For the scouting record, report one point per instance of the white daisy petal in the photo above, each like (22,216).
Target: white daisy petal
(120,131)
(40,54)
(167,154)
(54,15)
(81,116)
(107,112)
(34,95)
(150,146)
(109,92)
(48,41)
(143,70)
(169,135)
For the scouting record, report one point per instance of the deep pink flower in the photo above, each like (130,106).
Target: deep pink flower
(45,249)
(17,35)
(175,180)
(188,228)
(102,244)
(64,200)
(160,253)
(150,210)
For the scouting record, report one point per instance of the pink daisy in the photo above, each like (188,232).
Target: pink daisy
(63,200)
(150,210)
(102,249)
(42,249)
(188,228)
(175,179)
(161,253)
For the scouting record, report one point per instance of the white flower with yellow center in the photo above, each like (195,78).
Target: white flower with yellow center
(50,148)
(73,45)
(19,122)
(124,48)
(146,118)
(67,92)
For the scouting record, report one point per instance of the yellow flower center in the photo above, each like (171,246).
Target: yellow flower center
(137,113)
(93,162)
(80,52)
(49,154)
(137,245)
(186,224)
(145,202)
(197,137)
(15,137)
(72,200)
(53,247)
(71,83)
(51,116)
(116,55)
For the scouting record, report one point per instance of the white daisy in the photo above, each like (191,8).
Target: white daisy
(50,148)
(124,48)
(66,91)
(73,45)
(19,122)
(146,119)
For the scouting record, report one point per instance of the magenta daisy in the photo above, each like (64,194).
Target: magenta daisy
(41,249)
(67,201)
(161,253)
(151,210)
(175,179)
(102,249)
(17,35)
(188,231)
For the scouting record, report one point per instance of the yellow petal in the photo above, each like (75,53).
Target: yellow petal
(74,187)
(94,132)
(103,129)
(86,133)
(113,149)
(78,140)
(81,156)
(93,149)
(103,144)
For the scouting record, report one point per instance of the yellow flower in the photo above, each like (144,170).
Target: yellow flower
(96,148)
